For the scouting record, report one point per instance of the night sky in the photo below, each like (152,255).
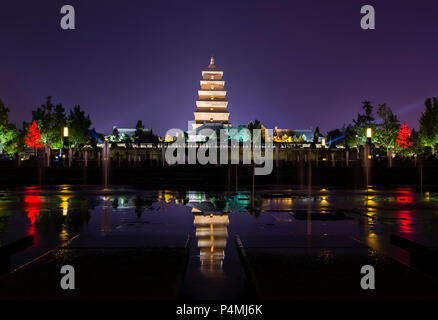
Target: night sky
(294,64)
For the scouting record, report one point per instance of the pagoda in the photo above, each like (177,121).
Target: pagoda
(211,106)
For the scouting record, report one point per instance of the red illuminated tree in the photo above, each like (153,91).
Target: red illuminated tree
(33,138)
(404,137)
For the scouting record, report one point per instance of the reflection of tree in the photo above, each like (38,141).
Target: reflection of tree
(254,209)
(57,217)
(141,203)
(220,203)
(115,202)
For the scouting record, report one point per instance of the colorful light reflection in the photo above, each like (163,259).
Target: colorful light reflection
(405,196)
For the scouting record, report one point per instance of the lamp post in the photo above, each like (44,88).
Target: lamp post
(65,143)
(65,135)
(369,136)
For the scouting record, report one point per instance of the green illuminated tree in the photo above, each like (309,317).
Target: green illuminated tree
(355,134)
(78,124)
(115,137)
(11,139)
(429,124)
(51,120)
(386,133)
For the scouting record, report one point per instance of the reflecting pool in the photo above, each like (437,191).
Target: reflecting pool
(54,215)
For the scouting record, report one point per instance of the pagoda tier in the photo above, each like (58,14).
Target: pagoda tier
(211,106)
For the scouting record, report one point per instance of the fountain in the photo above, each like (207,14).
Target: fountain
(367,163)
(47,156)
(309,194)
(70,157)
(106,163)
(390,152)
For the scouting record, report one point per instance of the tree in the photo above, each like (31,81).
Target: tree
(316,135)
(351,139)
(334,137)
(256,125)
(429,124)
(10,138)
(403,137)
(362,122)
(51,121)
(79,125)
(33,138)
(115,137)
(138,135)
(126,140)
(4,112)
(386,134)
(416,147)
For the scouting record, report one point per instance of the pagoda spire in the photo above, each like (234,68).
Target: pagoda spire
(212,66)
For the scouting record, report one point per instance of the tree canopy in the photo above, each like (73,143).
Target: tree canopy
(429,123)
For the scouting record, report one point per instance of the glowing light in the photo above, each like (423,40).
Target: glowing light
(323,142)
(369,132)
(370,156)
(65,132)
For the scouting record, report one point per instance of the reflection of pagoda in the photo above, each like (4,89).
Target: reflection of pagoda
(211,106)
(211,230)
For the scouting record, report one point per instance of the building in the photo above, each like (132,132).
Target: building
(293,135)
(211,106)
(131,131)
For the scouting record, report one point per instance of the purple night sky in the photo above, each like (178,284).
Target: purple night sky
(294,64)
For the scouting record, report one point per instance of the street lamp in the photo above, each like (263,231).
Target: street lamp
(65,143)
(369,133)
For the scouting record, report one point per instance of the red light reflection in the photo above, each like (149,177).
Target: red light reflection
(32,207)
(405,221)
(405,196)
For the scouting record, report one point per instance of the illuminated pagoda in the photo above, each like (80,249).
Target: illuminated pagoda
(211,106)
